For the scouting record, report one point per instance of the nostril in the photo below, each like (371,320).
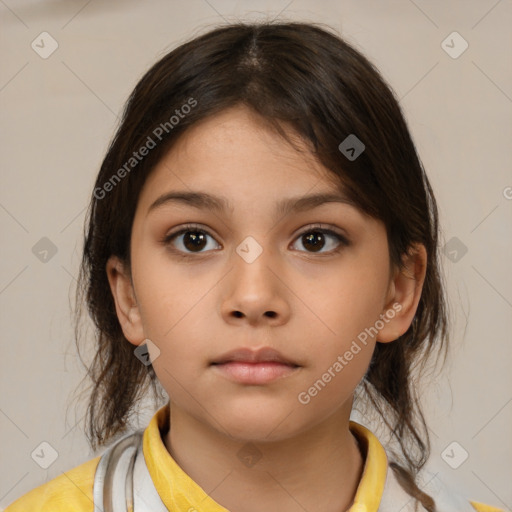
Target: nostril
(239,314)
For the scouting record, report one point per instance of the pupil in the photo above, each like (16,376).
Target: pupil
(315,239)
(194,240)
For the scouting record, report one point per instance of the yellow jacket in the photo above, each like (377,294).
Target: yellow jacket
(174,490)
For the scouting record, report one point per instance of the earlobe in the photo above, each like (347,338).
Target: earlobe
(404,294)
(126,305)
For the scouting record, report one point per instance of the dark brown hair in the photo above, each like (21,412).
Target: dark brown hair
(298,75)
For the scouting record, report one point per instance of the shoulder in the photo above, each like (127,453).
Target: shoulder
(378,474)
(481,507)
(450,500)
(446,499)
(70,491)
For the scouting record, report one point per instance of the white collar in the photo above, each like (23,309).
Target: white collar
(395,499)
(126,457)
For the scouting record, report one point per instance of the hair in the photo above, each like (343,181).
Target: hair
(294,75)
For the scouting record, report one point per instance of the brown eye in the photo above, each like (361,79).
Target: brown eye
(190,240)
(194,240)
(315,240)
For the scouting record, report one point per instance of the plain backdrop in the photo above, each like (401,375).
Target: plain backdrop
(59,113)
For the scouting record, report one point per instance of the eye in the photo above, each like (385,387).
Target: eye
(193,239)
(190,239)
(316,239)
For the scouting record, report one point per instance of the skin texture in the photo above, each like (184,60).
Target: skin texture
(308,305)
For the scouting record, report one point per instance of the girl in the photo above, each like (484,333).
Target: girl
(262,243)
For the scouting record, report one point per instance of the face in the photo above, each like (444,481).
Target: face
(256,266)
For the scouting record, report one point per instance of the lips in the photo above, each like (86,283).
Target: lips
(254,367)
(246,355)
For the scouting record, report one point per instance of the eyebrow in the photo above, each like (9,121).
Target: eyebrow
(204,200)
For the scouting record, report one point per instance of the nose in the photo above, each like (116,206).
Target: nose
(255,292)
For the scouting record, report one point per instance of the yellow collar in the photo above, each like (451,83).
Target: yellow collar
(179,492)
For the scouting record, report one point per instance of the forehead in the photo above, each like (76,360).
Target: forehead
(238,154)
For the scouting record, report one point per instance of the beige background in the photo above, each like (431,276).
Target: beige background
(58,115)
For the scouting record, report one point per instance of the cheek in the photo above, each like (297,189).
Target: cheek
(167,293)
(350,299)
(175,306)
(349,306)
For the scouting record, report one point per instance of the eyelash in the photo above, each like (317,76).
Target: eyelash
(343,241)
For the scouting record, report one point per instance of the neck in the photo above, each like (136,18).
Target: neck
(316,470)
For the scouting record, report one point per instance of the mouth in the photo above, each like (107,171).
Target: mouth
(246,355)
(251,367)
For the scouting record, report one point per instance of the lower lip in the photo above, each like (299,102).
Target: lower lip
(255,373)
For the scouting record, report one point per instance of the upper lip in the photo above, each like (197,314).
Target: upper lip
(248,355)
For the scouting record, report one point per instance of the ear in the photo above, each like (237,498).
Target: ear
(127,308)
(404,294)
